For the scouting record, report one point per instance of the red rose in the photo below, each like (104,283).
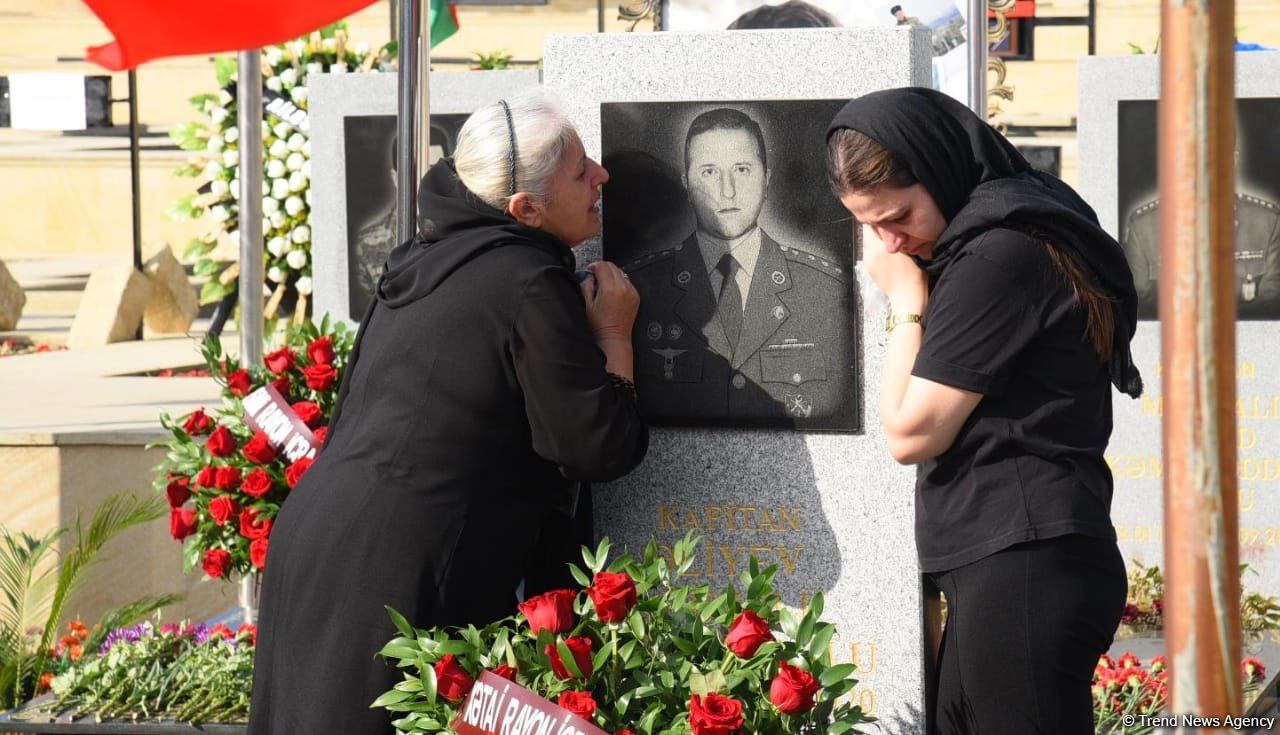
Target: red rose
(282,386)
(309,412)
(280,361)
(227,478)
(223,509)
(624,731)
(579,703)
(257,484)
(258,450)
(258,552)
(614,594)
(221,443)
(253,527)
(748,632)
(198,423)
(506,672)
(216,562)
(182,523)
(551,611)
(1253,670)
(207,476)
(792,690)
(320,351)
(320,377)
(239,383)
(452,681)
(179,491)
(1131,613)
(321,434)
(715,715)
(296,471)
(580,647)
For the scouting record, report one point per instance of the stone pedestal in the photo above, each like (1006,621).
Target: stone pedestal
(12,299)
(111,309)
(173,305)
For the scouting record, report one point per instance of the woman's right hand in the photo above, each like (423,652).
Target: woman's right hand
(612,302)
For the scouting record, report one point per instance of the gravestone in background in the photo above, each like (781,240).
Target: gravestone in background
(353,163)
(832,510)
(1118,178)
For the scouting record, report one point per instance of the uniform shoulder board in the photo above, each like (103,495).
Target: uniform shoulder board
(817,262)
(1148,207)
(647,259)
(1261,202)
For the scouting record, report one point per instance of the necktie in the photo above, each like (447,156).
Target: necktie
(729,304)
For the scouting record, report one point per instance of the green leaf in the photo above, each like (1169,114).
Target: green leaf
(602,656)
(566,658)
(579,576)
(401,623)
(698,684)
(790,625)
(213,291)
(822,640)
(394,696)
(198,246)
(225,68)
(836,673)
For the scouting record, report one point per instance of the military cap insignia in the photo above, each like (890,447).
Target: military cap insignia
(798,405)
(683,277)
(778,277)
(779,313)
(675,331)
(655,331)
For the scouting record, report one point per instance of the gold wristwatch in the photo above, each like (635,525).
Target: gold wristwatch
(896,319)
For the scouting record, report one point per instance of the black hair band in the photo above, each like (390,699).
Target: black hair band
(511,136)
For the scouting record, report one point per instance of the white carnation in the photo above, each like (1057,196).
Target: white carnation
(297,181)
(220,213)
(299,47)
(276,245)
(232,134)
(215,144)
(296,259)
(306,149)
(278,220)
(279,188)
(303,285)
(275,169)
(296,141)
(301,234)
(293,205)
(306,168)
(315,67)
(270,205)
(329,44)
(218,115)
(338,68)
(273,84)
(278,150)
(213,168)
(266,224)
(224,97)
(362,48)
(231,158)
(289,77)
(218,187)
(307,196)
(281,130)
(275,275)
(299,95)
(294,162)
(234,236)
(274,56)
(234,188)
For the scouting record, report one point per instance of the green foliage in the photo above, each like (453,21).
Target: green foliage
(670,645)
(492,60)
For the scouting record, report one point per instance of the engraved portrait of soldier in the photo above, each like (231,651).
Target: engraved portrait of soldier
(370,155)
(1256,210)
(722,221)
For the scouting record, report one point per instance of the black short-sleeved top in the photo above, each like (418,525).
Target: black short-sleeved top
(1028,463)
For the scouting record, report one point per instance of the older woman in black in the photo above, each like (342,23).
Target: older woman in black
(1011,316)
(485,386)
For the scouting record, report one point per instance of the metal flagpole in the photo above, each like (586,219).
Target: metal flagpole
(1198,337)
(414,116)
(977,39)
(249,122)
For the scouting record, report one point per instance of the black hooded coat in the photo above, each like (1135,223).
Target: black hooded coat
(475,401)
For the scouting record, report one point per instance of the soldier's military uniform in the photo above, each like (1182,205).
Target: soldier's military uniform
(373,243)
(1257,228)
(794,361)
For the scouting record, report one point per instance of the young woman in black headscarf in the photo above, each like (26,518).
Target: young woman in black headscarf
(1011,316)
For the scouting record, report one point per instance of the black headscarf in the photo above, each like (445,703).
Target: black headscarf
(980,182)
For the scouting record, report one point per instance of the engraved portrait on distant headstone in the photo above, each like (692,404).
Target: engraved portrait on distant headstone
(721,215)
(1257,205)
(370,144)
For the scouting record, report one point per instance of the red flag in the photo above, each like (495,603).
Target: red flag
(151,29)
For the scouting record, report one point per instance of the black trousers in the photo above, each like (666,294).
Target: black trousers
(1025,627)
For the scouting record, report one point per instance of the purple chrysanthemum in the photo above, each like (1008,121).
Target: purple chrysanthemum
(132,634)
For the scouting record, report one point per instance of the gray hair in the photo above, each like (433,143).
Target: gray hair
(483,156)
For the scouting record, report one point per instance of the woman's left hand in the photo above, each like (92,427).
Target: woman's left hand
(896,274)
